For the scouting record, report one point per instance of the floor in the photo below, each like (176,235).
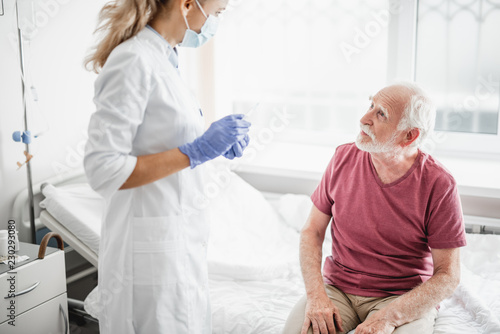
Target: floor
(79,290)
(85,328)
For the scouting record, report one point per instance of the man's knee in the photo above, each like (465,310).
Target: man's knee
(424,325)
(293,324)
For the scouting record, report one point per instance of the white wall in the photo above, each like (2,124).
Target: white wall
(54,57)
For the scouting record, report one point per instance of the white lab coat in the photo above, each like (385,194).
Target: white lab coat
(152,258)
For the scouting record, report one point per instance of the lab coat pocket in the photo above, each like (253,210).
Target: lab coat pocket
(158,250)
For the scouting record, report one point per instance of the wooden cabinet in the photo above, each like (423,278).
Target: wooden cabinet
(40,305)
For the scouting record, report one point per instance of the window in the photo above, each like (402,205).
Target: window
(318,61)
(458,59)
(313,62)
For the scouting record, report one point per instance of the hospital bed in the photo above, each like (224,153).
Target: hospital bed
(253,258)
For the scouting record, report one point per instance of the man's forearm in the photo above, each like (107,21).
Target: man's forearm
(415,303)
(310,262)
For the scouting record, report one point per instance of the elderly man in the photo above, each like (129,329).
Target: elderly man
(396,228)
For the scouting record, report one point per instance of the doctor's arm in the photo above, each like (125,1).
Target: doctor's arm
(415,303)
(320,310)
(153,167)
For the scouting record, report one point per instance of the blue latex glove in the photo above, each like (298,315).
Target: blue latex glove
(218,139)
(236,151)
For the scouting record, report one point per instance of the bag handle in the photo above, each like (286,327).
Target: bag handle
(45,241)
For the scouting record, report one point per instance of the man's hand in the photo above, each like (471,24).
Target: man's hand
(320,313)
(421,299)
(376,324)
(320,310)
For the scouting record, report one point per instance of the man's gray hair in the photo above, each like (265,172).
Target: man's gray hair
(419,113)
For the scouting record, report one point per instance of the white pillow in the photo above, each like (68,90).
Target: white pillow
(295,209)
(248,238)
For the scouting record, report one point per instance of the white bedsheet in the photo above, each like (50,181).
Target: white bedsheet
(262,307)
(253,263)
(475,305)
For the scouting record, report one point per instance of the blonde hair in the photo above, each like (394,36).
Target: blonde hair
(118,21)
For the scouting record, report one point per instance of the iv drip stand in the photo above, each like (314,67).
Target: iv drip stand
(28,163)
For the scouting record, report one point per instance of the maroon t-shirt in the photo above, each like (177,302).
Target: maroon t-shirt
(383,233)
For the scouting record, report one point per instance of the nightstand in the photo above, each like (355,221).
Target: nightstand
(40,305)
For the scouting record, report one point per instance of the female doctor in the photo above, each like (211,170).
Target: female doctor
(146,131)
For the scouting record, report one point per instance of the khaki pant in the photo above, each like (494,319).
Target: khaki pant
(354,310)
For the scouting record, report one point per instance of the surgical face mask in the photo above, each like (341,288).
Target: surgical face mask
(192,39)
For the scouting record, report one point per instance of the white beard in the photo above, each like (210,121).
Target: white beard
(374,146)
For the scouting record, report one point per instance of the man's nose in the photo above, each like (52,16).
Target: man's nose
(366,119)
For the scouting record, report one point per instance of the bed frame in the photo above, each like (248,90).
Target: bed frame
(20,208)
(77,253)
(68,237)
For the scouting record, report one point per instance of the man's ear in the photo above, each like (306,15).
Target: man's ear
(411,136)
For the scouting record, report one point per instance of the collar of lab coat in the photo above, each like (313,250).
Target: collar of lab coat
(163,45)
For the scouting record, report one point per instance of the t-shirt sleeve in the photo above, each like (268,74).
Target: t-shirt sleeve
(321,196)
(445,225)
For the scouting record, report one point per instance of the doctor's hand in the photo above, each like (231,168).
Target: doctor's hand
(322,315)
(236,151)
(217,140)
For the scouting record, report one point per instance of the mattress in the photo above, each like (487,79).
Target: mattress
(78,208)
(253,262)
